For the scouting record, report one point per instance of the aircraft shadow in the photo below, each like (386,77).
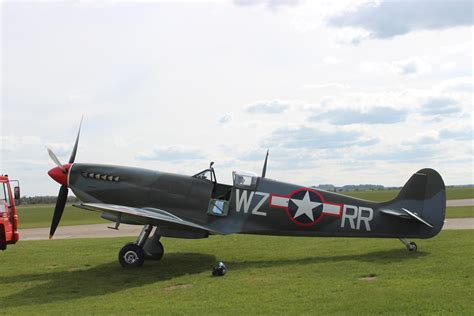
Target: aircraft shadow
(110,277)
(378,257)
(99,280)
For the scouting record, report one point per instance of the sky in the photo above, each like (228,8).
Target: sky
(340,92)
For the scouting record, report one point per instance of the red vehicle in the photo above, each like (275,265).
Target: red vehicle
(8,216)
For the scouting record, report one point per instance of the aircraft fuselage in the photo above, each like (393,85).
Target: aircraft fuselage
(270,207)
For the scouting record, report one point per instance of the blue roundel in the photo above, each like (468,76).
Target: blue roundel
(304,218)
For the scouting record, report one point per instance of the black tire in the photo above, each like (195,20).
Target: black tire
(131,256)
(156,253)
(412,247)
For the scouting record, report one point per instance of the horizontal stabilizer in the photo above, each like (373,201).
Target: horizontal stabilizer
(397,213)
(406,214)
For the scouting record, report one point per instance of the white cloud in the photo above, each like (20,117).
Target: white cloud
(331,60)
(449,65)
(272,4)
(458,49)
(463,84)
(12,143)
(171,154)
(225,119)
(371,66)
(386,19)
(61,149)
(440,106)
(373,115)
(312,138)
(351,35)
(310,16)
(171,94)
(327,85)
(267,107)
(412,66)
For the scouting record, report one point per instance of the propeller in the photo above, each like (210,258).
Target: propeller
(60,175)
(74,150)
(55,159)
(264,170)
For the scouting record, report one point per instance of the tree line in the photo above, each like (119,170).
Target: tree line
(45,199)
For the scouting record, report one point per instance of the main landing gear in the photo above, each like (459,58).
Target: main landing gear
(133,255)
(411,246)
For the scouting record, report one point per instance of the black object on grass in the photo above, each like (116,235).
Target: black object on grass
(219,270)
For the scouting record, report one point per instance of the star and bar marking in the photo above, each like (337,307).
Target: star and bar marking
(305,207)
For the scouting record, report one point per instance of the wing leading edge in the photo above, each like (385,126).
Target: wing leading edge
(154,216)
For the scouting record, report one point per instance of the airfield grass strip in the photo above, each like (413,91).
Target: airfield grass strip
(267,275)
(386,195)
(460,212)
(36,216)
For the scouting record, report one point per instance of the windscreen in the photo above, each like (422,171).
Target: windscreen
(244,180)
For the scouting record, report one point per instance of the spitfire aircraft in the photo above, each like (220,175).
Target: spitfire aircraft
(197,206)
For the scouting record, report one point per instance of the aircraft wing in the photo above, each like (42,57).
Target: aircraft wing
(152,216)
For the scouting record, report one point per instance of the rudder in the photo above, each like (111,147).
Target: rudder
(425,194)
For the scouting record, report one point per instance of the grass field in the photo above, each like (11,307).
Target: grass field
(460,212)
(267,275)
(32,216)
(385,195)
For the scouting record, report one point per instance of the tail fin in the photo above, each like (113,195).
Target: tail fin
(424,198)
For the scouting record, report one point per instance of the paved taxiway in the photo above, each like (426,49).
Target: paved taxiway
(463,202)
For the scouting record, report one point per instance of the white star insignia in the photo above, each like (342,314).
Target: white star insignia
(305,206)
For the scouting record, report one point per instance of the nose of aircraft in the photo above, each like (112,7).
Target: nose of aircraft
(59,174)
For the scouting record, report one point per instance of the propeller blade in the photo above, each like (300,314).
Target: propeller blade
(59,209)
(264,170)
(74,150)
(55,159)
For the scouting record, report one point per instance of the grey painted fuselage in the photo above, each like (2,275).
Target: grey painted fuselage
(270,207)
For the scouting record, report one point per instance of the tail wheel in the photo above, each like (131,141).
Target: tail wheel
(412,246)
(131,256)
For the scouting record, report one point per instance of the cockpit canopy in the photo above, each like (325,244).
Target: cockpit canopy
(244,179)
(208,174)
(204,175)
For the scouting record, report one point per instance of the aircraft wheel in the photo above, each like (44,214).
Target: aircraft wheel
(155,252)
(131,256)
(412,246)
